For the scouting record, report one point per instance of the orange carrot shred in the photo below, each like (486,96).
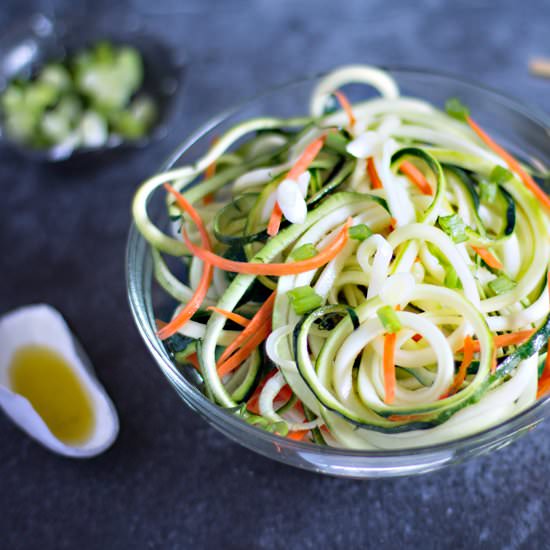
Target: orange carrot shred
(196,300)
(245,351)
(194,360)
(300,166)
(544,380)
(487,257)
(275,220)
(235,317)
(389,367)
(344,102)
(416,177)
(277,269)
(298,435)
(405,417)
(512,163)
(463,369)
(262,316)
(503,340)
(373,174)
(544,383)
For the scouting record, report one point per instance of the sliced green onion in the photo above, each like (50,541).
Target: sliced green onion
(454,227)
(359,232)
(304,252)
(304,299)
(451,279)
(457,109)
(502,284)
(488,190)
(389,319)
(500,175)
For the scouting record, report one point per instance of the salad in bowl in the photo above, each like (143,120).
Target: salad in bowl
(372,275)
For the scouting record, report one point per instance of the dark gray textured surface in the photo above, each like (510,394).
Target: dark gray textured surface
(170,481)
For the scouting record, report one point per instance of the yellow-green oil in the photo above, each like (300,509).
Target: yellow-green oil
(44,377)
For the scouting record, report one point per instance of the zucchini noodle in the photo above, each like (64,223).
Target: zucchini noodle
(431,320)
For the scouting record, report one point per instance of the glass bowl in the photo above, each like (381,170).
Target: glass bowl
(522,130)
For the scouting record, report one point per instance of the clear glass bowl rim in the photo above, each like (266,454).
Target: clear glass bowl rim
(135,257)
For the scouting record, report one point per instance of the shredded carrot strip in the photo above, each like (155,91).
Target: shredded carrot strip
(344,102)
(487,257)
(275,220)
(373,174)
(512,163)
(466,361)
(306,158)
(235,317)
(405,417)
(292,268)
(389,367)
(209,173)
(206,278)
(494,360)
(544,380)
(298,435)
(245,351)
(544,383)
(416,177)
(285,393)
(503,340)
(393,224)
(262,316)
(194,360)
(300,166)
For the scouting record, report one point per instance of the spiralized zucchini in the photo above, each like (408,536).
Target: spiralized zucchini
(443,233)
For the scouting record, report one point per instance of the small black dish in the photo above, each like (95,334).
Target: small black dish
(39,39)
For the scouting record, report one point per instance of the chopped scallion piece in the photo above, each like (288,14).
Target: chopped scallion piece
(501,284)
(454,227)
(451,279)
(304,299)
(488,191)
(359,232)
(457,109)
(305,252)
(389,319)
(500,175)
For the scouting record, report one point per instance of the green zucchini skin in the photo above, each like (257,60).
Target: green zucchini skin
(241,205)
(535,344)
